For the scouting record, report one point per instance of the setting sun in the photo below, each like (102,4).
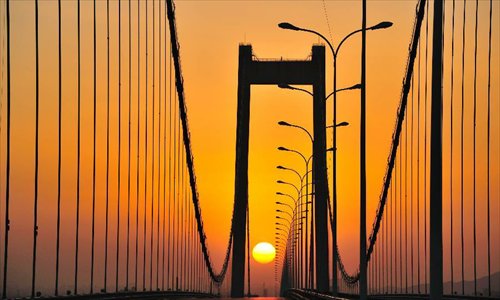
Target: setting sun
(263,252)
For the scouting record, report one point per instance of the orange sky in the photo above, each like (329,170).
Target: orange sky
(209,34)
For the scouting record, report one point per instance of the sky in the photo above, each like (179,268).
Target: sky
(210,32)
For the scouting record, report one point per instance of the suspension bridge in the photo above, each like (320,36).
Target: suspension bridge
(99,193)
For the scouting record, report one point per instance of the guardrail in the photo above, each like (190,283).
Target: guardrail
(132,295)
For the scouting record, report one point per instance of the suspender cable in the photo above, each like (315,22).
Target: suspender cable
(37,128)
(394,238)
(418,168)
(158,185)
(411,181)
(170,240)
(93,157)
(7,166)
(152,154)
(138,142)
(79,156)
(385,243)
(164,149)
(193,250)
(177,196)
(462,150)
(181,211)
(395,200)
(178,200)
(175,211)
(474,150)
(180,194)
(188,241)
(59,142)
(184,223)
(129,137)
(186,250)
(152,157)
(184,227)
(107,153)
(159,152)
(377,271)
(406,204)
(380,263)
(451,139)
(425,141)
(119,167)
(390,238)
(400,219)
(488,149)
(145,151)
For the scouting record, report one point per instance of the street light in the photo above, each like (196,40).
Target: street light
(283,123)
(281,203)
(290,169)
(289,87)
(287,195)
(285,212)
(278,217)
(307,161)
(280,224)
(290,184)
(288,26)
(292,150)
(341,124)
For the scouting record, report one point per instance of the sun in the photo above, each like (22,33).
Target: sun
(263,253)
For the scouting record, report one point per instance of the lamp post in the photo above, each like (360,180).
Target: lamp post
(306,162)
(291,232)
(295,228)
(297,202)
(309,283)
(334,51)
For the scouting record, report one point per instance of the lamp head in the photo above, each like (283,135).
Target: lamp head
(342,124)
(356,87)
(284,86)
(283,123)
(381,25)
(285,25)
(283,149)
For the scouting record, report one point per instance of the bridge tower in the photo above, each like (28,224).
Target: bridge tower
(304,72)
